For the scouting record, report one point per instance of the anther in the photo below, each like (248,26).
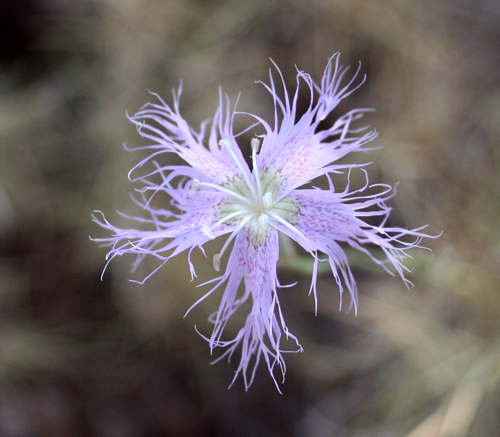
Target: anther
(217,262)
(267,200)
(225,143)
(207,230)
(255,143)
(262,223)
(195,186)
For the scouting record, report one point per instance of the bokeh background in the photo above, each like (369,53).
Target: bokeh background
(85,357)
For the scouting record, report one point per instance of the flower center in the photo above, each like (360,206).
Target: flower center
(255,194)
(251,202)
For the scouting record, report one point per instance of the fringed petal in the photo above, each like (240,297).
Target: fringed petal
(170,237)
(325,219)
(170,133)
(254,262)
(292,149)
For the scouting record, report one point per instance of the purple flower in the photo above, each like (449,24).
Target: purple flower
(218,194)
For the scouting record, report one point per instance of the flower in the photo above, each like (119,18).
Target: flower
(217,194)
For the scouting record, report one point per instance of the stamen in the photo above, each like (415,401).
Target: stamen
(244,171)
(230,238)
(226,191)
(233,214)
(207,230)
(285,223)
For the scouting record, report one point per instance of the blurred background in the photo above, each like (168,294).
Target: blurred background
(85,357)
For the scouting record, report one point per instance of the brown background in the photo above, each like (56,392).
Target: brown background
(81,357)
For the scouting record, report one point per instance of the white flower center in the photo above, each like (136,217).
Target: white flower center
(252,202)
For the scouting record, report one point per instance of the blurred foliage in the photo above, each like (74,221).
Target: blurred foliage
(81,357)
